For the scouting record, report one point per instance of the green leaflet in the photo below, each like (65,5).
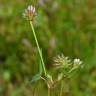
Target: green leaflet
(40,68)
(38,76)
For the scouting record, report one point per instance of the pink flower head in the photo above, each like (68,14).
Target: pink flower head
(30,13)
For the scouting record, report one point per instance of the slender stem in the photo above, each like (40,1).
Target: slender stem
(61,89)
(71,70)
(40,53)
(48,91)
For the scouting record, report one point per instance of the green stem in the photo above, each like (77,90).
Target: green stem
(48,91)
(40,53)
(61,89)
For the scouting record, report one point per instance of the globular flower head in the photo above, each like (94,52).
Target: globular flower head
(62,62)
(66,66)
(29,13)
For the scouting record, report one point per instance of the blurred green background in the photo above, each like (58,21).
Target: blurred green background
(62,26)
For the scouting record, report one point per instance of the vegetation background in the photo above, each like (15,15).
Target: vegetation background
(62,26)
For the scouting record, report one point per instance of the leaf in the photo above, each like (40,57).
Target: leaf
(38,76)
(40,68)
